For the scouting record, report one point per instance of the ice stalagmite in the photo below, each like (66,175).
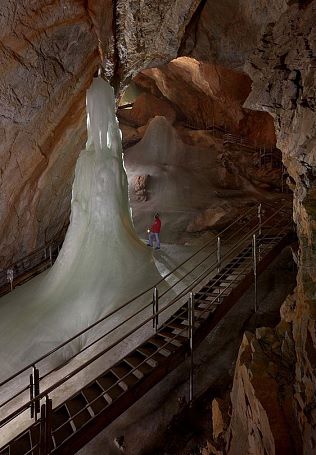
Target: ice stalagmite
(102,263)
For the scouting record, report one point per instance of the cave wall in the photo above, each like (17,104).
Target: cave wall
(206,95)
(226,32)
(48,54)
(283,74)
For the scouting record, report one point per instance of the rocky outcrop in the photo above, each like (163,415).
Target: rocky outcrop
(213,218)
(206,95)
(245,166)
(262,414)
(259,415)
(283,73)
(48,56)
(145,108)
(149,34)
(226,32)
(140,184)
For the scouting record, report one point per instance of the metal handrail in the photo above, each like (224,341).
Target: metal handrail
(99,321)
(143,323)
(135,314)
(195,266)
(15,266)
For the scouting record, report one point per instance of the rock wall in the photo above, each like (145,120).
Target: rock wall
(262,410)
(273,396)
(49,52)
(149,33)
(226,32)
(204,95)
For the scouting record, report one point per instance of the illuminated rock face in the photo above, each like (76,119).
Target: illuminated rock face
(205,95)
(275,383)
(48,56)
(283,70)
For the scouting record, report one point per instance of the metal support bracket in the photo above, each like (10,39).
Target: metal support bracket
(34,392)
(190,334)
(218,254)
(46,427)
(254,255)
(155,309)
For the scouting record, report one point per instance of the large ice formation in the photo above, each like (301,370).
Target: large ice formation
(183,178)
(102,262)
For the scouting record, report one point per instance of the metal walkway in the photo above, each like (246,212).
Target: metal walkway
(208,290)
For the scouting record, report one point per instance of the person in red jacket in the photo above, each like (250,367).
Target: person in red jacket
(153,234)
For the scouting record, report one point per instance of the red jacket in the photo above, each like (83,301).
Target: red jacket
(156,226)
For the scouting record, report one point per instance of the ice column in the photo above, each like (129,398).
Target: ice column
(102,262)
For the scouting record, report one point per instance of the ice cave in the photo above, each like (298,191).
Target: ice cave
(158,212)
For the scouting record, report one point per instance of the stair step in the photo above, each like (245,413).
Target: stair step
(169,334)
(35,437)
(94,395)
(216,301)
(124,372)
(107,381)
(137,360)
(176,325)
(21,445)
(150,350)
(61,429)
(182,314)
(77,408)
(159,343)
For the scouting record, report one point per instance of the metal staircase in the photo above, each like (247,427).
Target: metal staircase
(179,317)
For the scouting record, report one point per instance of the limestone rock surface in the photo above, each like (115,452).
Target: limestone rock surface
(262,395)
(206,95)
(284,84)
(226,32)
(49,52)
(145,108)
(149,33)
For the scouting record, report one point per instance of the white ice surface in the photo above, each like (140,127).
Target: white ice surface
(102,262)
(182,181)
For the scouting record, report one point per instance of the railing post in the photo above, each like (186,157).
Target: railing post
(155,308)
(254,254)
(218,254)
(190,334)
(34,392)
(46,427)
(259,217)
